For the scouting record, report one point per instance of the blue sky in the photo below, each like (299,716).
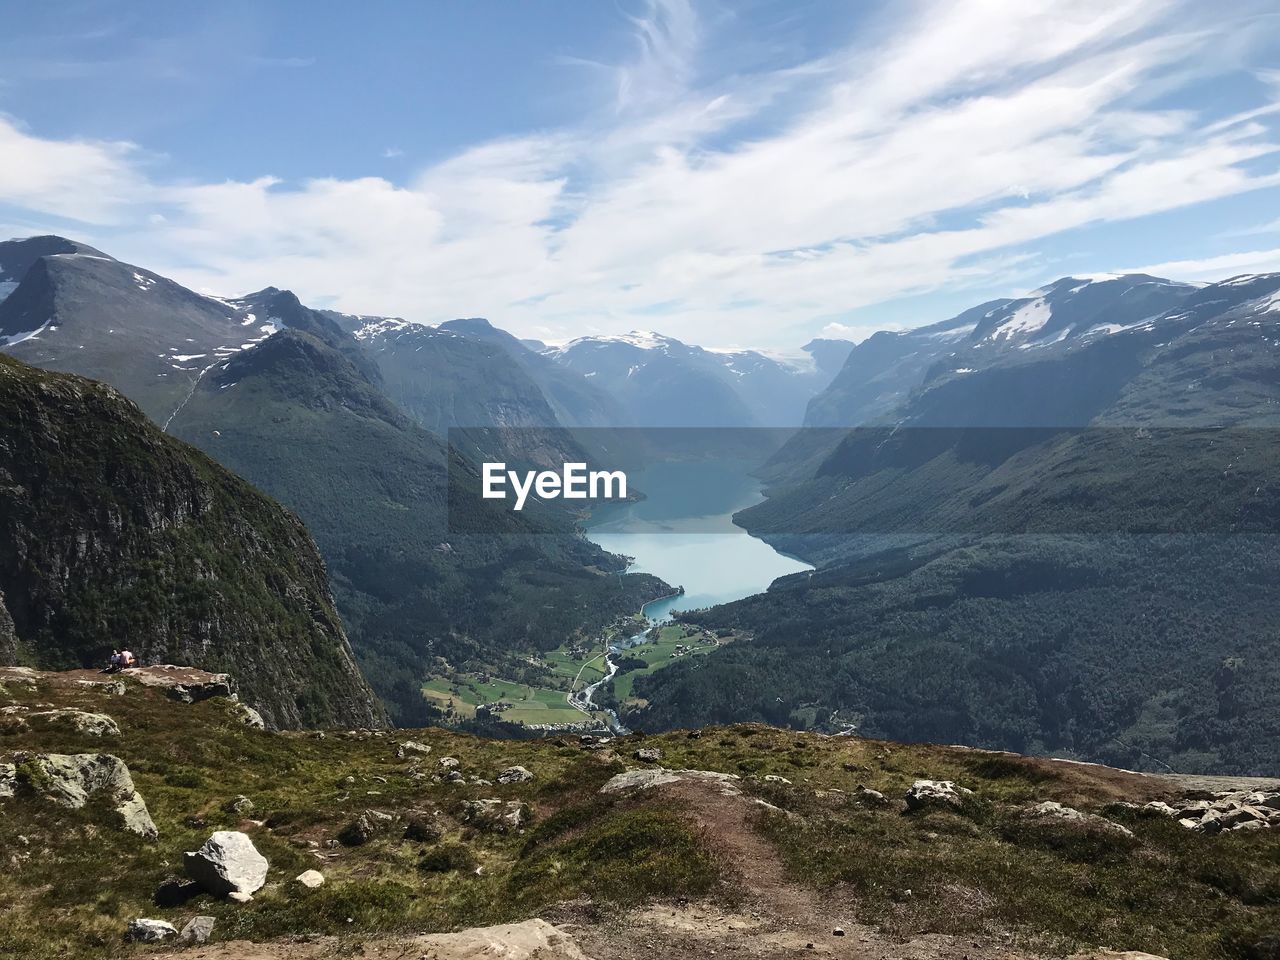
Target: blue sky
(751,174)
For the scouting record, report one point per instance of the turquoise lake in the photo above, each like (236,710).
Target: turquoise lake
(684,533)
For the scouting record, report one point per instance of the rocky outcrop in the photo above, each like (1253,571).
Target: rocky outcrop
(1052,810)
(74,780)
(1224,810)
(227,865)
(115,532)
(78,721)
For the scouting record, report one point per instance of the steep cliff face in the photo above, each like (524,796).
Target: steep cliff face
(112,533)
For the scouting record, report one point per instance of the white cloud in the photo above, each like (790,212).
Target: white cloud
(930,152)
(1215,268)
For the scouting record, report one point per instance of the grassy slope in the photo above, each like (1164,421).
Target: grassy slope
(72,880)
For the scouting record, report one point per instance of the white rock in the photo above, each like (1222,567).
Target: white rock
(310,878)
(197,930)
(515,775)
(227,863)
(924,793)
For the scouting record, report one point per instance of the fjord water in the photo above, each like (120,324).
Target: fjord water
(684,533)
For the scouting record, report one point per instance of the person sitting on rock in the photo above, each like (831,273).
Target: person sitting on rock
(127,660)
(114,663)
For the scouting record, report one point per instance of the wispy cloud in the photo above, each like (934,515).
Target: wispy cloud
(938,148)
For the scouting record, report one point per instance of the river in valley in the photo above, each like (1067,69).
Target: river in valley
(684,533)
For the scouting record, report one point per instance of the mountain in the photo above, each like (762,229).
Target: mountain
(882,371)
(575,400)
(120,535)
(309,413)
(1091,587)
(154,339)
(661,382)
(18,256)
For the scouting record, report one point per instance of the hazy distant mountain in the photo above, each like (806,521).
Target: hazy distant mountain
(576,401)
(660,381)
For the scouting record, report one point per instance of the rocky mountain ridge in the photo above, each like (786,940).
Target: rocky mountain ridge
(121,535)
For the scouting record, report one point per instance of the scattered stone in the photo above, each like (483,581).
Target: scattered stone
(648,754)
(72,779)
(150,931)
(1159,808)
(227,864)
(1226,810)
(515,775)
(364,828)
(241,805)
(8,780)
(448,763)
(1052,810)
(492,814)
(927,793)
(774,778)
(871,798)
(310,878)
(197,930)
(411,746)
(837,932)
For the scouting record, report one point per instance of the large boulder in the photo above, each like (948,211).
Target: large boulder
(935,793)
(515,775)
(74,779)
(228,863)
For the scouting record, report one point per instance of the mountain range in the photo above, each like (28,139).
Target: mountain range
(347,421)
(1143,638)
(1040,619)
